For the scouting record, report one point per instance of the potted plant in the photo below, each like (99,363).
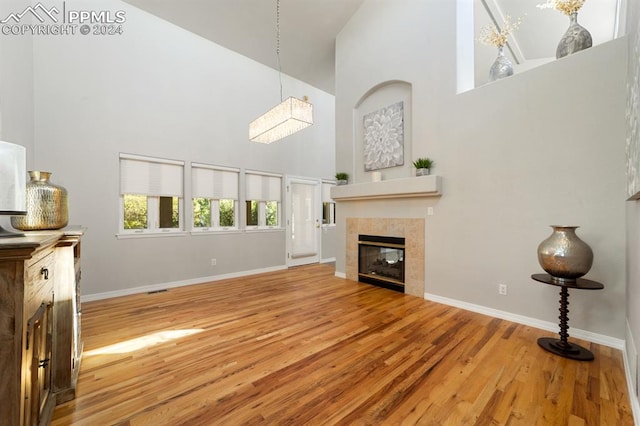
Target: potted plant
(342,178)
(423,166)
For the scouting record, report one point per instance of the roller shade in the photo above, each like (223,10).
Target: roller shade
(214,183)
(263,187)
(151,176)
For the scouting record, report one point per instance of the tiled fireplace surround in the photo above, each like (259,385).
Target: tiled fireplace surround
(412,230)
(388,198)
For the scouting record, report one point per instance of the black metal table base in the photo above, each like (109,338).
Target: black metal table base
(562,346)
(565,349)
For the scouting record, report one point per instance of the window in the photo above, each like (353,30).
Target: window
(215,196)
(328,205)
(150,194)
(263,199)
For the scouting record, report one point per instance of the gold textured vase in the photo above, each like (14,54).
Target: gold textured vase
(47,205)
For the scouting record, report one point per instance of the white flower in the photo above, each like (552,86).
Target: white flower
(568,7)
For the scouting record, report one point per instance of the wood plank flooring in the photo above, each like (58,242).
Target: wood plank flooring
(304,347)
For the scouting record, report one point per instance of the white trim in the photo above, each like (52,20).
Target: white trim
(213,167)
(620,26)
(256,172)
(413,187)
(601,339)
(151,159)
(263,229)
(216,231)
(151,234)
(328,260)
(633,397)
(174,284)
(340,275)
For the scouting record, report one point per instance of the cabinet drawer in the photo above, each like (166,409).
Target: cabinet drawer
(39,276)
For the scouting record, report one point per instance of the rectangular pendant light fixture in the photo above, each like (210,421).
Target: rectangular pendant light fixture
(281,121)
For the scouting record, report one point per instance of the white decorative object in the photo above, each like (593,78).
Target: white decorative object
(13,183)
(285,119)
(376,177)
(13,180)
(384,137)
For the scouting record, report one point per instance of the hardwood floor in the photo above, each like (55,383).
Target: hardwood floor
(303,347)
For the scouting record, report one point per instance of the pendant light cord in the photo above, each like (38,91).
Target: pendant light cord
(278,45)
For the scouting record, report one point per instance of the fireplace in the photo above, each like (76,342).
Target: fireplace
(381,261)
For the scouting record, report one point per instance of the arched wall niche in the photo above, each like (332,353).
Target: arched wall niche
(382,96)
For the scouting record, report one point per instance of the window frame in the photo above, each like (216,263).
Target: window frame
(262,203)
(326,198)
(214,203)
(153,201)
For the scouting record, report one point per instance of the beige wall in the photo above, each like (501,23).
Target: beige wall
(161,91)
(540,148)
(16,84)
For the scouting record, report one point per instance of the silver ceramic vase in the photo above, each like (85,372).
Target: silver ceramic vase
(47,205)
(502,66)
(564,256)
(576,38)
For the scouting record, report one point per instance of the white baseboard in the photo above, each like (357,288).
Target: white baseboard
(341,275)
(329,260)
(174,284)
(630,355)
(601,339)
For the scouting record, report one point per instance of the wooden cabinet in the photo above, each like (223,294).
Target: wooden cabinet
(39,324)
(66,328)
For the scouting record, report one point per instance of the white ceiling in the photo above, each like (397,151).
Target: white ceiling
(309,28)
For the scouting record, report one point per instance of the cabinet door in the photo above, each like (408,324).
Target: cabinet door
(38,357)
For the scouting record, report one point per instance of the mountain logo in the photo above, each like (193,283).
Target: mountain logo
(38,11)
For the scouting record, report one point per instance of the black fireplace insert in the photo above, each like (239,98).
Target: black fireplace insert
(381,261)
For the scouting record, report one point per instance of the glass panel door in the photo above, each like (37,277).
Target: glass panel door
(303,224)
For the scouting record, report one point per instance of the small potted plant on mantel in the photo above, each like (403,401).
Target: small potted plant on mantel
(342,178)
(423,166)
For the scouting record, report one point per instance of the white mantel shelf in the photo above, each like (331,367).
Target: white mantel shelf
(413,187)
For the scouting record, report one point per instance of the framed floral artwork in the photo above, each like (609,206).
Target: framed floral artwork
(384,137)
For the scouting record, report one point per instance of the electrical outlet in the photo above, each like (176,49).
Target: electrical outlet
(429,211)
(213,262)
(502,289)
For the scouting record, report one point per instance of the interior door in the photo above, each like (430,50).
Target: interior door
(303,221)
